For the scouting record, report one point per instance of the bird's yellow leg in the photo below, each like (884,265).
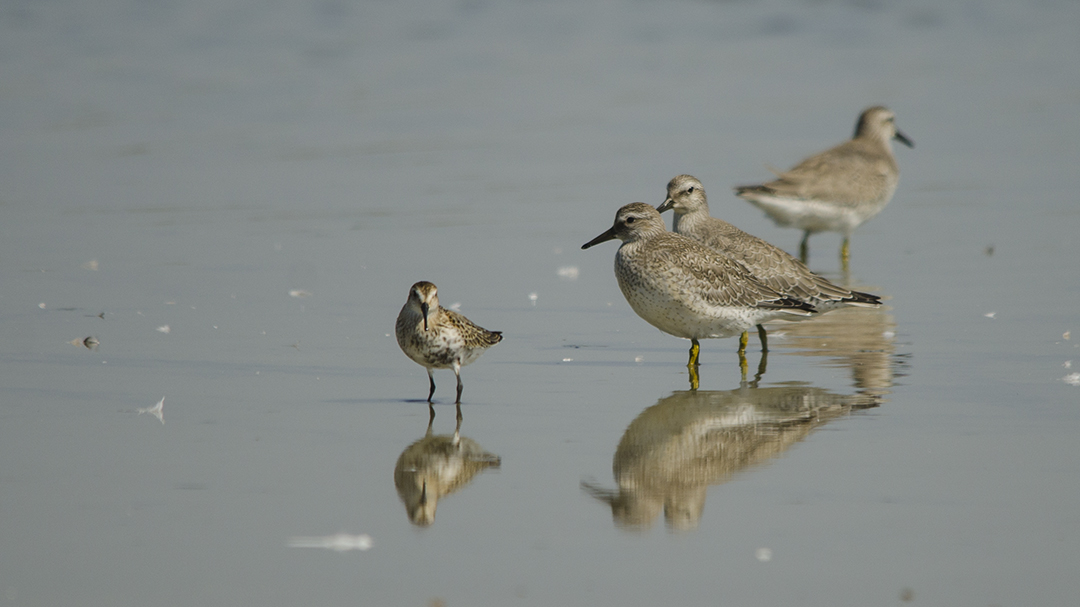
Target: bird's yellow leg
(695,347)
(762,338)
(743,340)
(743,366)
(845,253)
(693,378)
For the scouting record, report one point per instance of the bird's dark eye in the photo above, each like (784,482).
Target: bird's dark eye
(690,190)
(630,220)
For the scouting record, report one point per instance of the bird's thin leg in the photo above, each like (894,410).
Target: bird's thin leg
(743,366)
(431,417)
(459,418)
(695,347)
(743,340)
(845,255)
(457,372)
(692,364)
(764,340)
(804,248)
(431,380)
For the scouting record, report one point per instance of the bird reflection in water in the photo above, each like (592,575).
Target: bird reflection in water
(436,466)
(860,339)
(677,448)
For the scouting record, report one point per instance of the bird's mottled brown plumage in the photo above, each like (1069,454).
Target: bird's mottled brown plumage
(840,188)
(437,338)
(769,264)
(684,288)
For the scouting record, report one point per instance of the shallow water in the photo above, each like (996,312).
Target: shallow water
(233,199)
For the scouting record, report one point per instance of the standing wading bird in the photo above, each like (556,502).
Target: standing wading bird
(686,289)
(769,264)
(437,338)
(838,189)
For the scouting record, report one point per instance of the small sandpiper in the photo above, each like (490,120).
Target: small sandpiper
(769,264)
(686,289)
(838,189)
(437,338)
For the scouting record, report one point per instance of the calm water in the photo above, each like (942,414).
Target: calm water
(233,199)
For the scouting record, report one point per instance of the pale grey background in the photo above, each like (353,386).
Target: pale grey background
(212,156)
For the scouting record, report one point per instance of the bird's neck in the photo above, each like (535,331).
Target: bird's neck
(688,220)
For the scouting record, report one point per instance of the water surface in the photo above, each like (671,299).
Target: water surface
(234,199)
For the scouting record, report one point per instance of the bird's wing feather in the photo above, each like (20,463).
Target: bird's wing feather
(831,173)
(717,278)
(473,334)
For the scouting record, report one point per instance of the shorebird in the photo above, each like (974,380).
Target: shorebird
(769,264)
(838,189)
(686,289)
(437,338)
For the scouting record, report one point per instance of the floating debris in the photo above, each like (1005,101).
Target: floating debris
(763,554)
(301,293)
(91,343)
(90,265)
(990,314)
(1073,379)
(164,329)
(41,305)
(1066,335)
(568,360)
(341,542)
(568,272)
(639,359)
(157,410)
(532,297)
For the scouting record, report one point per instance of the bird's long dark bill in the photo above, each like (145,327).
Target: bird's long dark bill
(667,204)
(606,236)
(902,138)
(424,308)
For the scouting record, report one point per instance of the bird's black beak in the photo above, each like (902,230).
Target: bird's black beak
(902,138)
(424,308)
(666,205)
(606,236)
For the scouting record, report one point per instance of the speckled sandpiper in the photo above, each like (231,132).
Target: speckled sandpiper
(769,264)
(838,189)
(437,338)
(686,289)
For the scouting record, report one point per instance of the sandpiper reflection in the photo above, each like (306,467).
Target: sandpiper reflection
(861,339)
(674,450)
(436,466)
